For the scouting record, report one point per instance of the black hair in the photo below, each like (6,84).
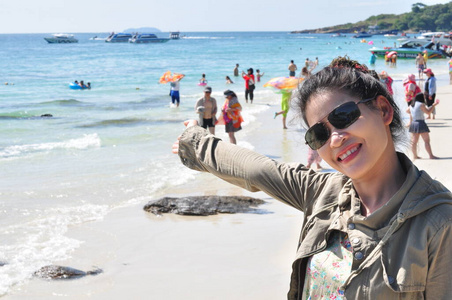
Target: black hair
(418,98)
(350,77)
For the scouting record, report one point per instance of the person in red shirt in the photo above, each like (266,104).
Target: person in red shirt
(249,84)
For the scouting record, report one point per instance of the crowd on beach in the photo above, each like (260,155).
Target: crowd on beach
(378,227)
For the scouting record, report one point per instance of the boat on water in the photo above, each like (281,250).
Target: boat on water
(437,37)
(391,36)
(174,35)
(362,34)
(96,38)
(411,49)
(118,38)
(338,35)
(61,38)
(146,38)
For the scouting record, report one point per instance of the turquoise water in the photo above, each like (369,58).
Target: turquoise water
(109,147)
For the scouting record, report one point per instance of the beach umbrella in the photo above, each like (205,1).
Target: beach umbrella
(392,53)
(170,77)
(283,84)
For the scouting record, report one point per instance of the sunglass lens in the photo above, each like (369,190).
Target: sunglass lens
(344,115)
(317,136)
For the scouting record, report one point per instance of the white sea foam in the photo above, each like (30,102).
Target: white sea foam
(87,141)
(42,241)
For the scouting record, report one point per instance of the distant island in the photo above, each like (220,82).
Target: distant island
(422,17)
(142,29)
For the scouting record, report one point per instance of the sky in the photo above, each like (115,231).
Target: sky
(52,16)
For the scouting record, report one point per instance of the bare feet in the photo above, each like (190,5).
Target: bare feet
(284,127)
(416,157)
(434,157)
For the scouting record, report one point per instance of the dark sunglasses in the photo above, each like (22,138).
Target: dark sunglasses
(341,117)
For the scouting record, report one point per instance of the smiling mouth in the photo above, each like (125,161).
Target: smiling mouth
(348,153)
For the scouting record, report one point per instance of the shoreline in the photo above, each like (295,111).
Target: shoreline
(222,256)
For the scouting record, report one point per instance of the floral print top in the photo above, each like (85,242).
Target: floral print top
(328,270)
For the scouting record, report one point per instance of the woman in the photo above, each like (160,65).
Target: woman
(249,84)
(228,80)
(430,91)
(206,107)
(231,116)
(418,127)
(411,88)
(377,229)
(387,80)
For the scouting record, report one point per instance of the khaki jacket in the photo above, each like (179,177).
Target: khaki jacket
(401,251)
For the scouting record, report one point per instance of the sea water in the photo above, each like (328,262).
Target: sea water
(110,146)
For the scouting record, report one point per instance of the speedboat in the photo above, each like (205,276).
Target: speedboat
(437,37)
(61,38)
(411,49)
(338,35)
(119,38)
(145,38)
(391,36)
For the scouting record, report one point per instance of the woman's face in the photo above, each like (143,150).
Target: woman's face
(356,150)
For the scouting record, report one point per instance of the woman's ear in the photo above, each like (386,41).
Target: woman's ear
(386,109)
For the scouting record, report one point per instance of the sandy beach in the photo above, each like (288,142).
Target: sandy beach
(241,256)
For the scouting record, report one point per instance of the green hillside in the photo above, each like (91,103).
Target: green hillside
(422,17)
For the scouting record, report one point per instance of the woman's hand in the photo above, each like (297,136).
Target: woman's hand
(436,102)
(188,123)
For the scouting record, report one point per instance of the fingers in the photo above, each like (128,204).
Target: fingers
(175,147)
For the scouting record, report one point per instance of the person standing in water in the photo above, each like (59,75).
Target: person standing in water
(285,105)
(174,93)
(292,68)
(249,85)
(236,70)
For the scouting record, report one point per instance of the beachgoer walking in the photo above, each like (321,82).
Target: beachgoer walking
(420,63)
(313,157)
(206,107)
(292,68)
(249,84)
(228,80)
(377,228)
(387,80)
(236,70)
(285,105)
(425,56)
(450,71)
(411,88)
(418,127)
(430,91)
(231,115)
(259,75)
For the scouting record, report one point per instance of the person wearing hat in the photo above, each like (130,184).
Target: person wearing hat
(411,88)
(387,80)
(206,107)
(249,84)
(430,91)
(231,116)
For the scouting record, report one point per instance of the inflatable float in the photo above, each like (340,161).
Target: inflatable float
(75,86)
(202,83)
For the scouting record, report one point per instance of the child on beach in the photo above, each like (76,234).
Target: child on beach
(376,228)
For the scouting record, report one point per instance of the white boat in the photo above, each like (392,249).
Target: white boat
(146,38)
(437,37)
(391,36)
(61,38)
(118,38)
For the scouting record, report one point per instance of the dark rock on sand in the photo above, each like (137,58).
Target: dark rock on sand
(60,272)
(204,205)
